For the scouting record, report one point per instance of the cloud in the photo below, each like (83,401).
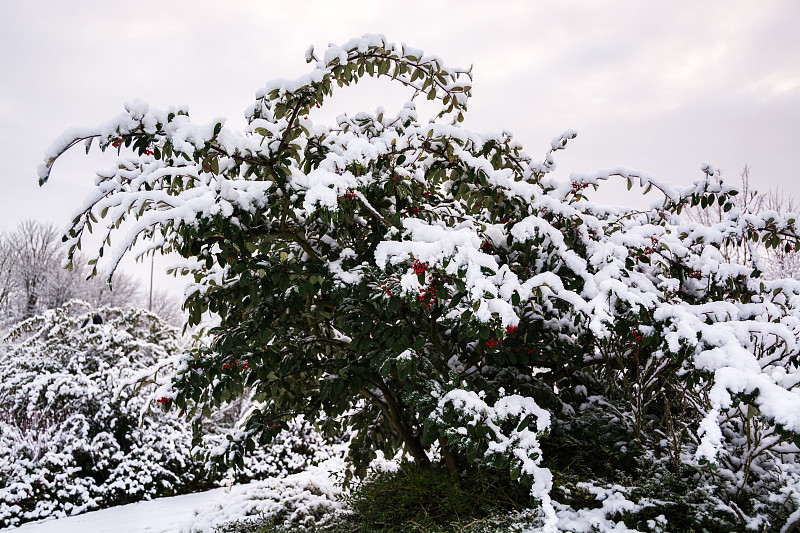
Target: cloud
(657,85)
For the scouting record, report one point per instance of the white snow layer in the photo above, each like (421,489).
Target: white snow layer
(297,498)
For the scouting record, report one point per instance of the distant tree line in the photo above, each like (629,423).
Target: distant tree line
(32,278)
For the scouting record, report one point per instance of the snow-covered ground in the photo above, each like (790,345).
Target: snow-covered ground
(297,498)
(164,515)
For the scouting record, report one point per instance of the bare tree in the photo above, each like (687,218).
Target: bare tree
(32,278)
(35,251)
(7,285)
(167,306)
(62,285)
(124,291)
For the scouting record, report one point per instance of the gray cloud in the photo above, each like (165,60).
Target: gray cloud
(656,85)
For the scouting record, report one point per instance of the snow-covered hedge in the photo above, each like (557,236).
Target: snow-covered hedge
(74,440)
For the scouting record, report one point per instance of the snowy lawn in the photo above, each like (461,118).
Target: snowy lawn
(295,499)
(156,516)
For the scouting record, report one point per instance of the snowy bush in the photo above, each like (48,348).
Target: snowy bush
(297,502)
(72,436)
(293,450)
(68,444)
(442,292)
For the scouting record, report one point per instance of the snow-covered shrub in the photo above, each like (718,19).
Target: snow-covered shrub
(293,450)
(297,502)
(442,292)
(73,438)
(68,443)
(433,498)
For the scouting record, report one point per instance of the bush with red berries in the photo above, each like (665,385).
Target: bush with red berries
(445,293)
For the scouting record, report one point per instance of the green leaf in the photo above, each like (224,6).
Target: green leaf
(403,368)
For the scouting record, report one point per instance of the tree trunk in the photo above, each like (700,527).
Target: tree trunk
(395,415)
(31,300)
(450,460)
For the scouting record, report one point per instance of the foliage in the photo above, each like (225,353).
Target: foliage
(389,501)
(500,507)
(776,262)
(443,293)
(500,523)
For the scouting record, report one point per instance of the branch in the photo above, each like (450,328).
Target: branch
(44,170)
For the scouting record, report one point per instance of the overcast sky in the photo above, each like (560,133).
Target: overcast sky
(660,86)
